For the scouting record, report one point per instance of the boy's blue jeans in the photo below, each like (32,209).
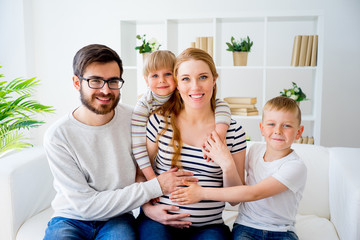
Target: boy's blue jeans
(247,233)
(121,227)
(151,230)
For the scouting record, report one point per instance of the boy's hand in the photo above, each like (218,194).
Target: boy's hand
(187,195)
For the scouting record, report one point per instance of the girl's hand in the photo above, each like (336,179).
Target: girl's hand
(187,195)
(216,149)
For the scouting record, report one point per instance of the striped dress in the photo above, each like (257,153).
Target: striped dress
(208,173)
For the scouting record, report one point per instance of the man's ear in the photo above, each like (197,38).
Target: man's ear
(76,82)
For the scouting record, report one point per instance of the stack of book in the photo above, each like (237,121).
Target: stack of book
(305,140)
(243,106)
(204,43)
(304,50)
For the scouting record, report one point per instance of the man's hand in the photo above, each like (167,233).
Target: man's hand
(160,214)
(173,178)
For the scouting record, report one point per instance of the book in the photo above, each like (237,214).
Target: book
(197,42)
(254,113)
(241,100)
(241,105)
(245,110)
(313,61)
(303,48)
(203,43)
(308,51)
(210,47)
(296,51)
(192,44)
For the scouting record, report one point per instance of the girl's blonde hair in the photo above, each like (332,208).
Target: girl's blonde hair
(172,108)
(160,59)
(284,104)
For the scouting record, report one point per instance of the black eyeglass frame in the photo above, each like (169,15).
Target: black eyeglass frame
(104,81)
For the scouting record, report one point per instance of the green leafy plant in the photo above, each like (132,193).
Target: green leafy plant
(295,93)
(242,45)
(147,46)
(17,112)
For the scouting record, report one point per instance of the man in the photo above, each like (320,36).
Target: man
(89,153)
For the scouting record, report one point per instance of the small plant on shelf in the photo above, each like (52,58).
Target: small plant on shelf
(242,45)
(295,93)
(147,46)
(17,112)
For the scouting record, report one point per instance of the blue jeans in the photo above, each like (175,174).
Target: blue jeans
(121,227)
(149,229)
(247,233)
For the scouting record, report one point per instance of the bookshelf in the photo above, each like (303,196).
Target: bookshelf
(269,68)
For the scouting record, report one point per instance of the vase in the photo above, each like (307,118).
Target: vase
(145,55)
(240,58)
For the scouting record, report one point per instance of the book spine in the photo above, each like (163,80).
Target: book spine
(203,43)
(308,51)
(197,42)
(303,48)
(192,44)
(210,45)
(314,51)
(296,51)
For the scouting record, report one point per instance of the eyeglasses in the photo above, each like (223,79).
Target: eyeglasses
(98,83)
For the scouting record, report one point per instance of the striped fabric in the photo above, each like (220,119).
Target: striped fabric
(208,173)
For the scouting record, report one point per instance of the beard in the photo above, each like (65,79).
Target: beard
(88,102)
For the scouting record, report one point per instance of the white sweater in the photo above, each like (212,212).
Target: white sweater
(94,169)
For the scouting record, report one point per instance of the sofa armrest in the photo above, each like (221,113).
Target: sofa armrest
(26,188)
(344,191)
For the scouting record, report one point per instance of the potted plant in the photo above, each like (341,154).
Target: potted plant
(240,49)
(295,93)
(17,112)
(147,47)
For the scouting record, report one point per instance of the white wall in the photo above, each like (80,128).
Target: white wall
(40,37)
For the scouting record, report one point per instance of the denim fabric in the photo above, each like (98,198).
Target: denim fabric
(152,230)
(122,227)
(247,233)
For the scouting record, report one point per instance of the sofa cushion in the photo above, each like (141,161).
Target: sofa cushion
(315,199)
(311,227)
(34,228)
(308,227)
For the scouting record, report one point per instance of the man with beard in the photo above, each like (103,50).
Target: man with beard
(90,156)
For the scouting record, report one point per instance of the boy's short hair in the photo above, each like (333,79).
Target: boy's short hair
(285,104)
(94,53)
(159,59)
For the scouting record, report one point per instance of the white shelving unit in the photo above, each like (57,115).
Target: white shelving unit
(268,71)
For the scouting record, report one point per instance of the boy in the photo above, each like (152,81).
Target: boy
(275,181)
(158,74)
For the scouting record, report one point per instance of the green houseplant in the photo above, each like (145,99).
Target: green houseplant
(17,112)
(147,46)
(240,49)
(295,93)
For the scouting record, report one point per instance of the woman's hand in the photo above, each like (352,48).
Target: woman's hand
(187,195)
(160,214)
(217,150)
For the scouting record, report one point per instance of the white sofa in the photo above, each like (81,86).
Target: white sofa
(330,208)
